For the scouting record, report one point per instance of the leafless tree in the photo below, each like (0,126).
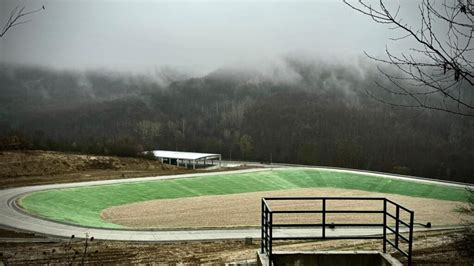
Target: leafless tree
(17,17)
(437,73)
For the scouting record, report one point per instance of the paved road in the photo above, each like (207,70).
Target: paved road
(11,216)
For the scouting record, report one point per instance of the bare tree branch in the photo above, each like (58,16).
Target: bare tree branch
(440,69)
(16,18)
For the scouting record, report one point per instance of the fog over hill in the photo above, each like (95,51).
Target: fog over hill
(195,36)
(300,110)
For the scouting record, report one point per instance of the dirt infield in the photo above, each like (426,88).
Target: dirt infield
(240,210)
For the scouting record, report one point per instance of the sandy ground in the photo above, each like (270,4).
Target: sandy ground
(243,209)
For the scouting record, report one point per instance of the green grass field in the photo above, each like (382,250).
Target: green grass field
(83,205)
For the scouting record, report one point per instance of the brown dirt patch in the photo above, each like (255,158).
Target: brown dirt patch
(27,167)
(40,163)
(429,248)
(240,210)
(20,168)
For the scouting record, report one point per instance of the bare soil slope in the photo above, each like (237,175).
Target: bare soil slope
(18,168)
(244,210)
(430,248)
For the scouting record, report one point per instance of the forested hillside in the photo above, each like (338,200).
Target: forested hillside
(311,113)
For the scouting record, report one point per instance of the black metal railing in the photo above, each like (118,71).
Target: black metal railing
(268,224)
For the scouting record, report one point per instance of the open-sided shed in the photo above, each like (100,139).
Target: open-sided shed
(186,157)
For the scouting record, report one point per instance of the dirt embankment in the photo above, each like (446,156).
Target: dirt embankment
(18,168)
(38,163)
(430,248)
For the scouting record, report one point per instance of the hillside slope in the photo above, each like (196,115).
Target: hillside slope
(19,168)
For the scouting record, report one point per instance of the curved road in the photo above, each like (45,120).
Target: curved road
(13,217)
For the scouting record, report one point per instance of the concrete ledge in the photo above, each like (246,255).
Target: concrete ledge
(328,258)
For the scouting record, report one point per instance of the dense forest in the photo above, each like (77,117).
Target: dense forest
(311,112)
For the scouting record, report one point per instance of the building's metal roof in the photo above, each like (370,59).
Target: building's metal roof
(183,155)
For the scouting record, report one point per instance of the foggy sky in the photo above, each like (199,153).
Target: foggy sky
(142,36)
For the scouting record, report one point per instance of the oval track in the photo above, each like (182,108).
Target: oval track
(13,217)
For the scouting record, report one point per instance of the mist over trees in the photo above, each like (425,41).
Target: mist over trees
(440,60)
(306,112)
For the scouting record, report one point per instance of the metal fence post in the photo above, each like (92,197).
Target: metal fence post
(266,229)
(270,244)
(410,238)
(262,239)
(385,226)
(324,218)
(397,226)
